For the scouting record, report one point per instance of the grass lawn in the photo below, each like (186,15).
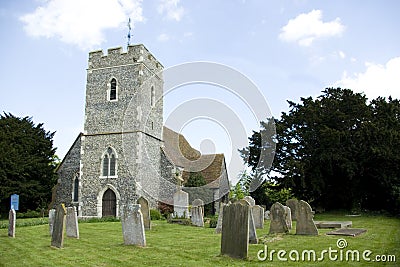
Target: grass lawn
(101,244)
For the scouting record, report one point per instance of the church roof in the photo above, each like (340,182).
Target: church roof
(182,154)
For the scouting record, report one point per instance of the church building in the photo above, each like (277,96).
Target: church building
(125,153)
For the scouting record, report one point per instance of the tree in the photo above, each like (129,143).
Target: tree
(195,179)
(27,163)
(336,151)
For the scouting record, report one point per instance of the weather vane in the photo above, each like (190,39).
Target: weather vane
(129,31)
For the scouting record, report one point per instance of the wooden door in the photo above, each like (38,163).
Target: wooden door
(109,204)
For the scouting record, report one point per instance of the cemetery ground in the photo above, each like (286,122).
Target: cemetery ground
(101,244)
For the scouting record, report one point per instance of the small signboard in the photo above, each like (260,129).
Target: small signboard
(15,202)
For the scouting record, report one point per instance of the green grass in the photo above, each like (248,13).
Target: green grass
(101,244)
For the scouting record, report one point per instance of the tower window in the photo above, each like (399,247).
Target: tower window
(152,97)
(109,163)
(113,89)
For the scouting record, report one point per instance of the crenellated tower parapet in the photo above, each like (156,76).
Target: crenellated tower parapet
(117,56)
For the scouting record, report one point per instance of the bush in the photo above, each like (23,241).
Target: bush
(155,215)
(165,209)
(213,221)
(30,214)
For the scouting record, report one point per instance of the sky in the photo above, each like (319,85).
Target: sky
(287,49)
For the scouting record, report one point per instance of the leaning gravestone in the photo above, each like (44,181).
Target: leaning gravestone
(292,204)
(218,229)
(288,217)
(144,208)
(181,204)
(252,229)
(72,227)
(278,222)
(258,216)
(57,237)
(11,223)
(52,215)
(305,224)
(132,225)
(235,230)
(198,212)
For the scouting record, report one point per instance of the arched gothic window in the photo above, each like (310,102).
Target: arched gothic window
(109,163)
(113,89)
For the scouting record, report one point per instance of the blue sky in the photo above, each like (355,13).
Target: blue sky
(289,49)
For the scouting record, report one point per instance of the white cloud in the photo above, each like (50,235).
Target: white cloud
(377,80)
(306,28)
(171,9)
(163,37)
(342,55)
(79,22)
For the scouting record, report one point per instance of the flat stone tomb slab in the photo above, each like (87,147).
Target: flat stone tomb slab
(333,224)
(347,232)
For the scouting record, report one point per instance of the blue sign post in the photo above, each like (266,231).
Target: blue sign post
(14,202)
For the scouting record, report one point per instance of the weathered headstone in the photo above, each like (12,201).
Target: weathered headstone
(144,208)
(52,215)
(132,225)
(198,212)
(292,204)
(252,229)
(57,237)
(235,230)
(181,204)
(11,223)
(288,217)
(266,215)
(305,224)
(251,200)
(72,227)
(278,222)
(258,216)
(218,229)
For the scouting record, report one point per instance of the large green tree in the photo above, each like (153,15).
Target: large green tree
(337,151)
(27,163)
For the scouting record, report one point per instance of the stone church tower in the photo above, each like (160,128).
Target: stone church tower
(125,153)
(122,134)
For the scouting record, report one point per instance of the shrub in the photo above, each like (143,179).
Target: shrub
(213,221)
(155,215)
(165,209)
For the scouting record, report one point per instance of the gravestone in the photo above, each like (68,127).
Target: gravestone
(266,215)
(218,229)
(278,222)
(258,216)
(72,227)
(57,237)
(11,223)
(252,229)
(144,208)
(235,230)
(288,217)
(305,224)
(52,215)
(181,204)
(251,200)
(347,232)
(292,204)
(198,212)
(132,225)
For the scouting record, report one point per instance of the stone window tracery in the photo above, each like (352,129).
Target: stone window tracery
(109,163)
